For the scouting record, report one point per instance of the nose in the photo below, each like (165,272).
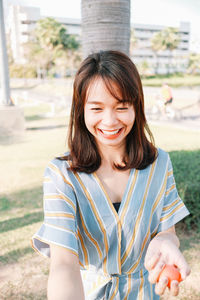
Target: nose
(109,118)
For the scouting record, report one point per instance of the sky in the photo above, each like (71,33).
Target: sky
(158,12)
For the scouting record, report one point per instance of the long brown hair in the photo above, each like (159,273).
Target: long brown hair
(112,67)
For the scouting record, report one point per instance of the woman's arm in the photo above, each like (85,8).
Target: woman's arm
(64,281)
(164,249)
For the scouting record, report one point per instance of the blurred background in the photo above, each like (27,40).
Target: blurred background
(45,43)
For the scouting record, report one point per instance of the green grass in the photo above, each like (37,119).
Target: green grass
(186,166)
(175,80)
(24,273)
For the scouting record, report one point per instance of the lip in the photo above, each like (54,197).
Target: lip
(110,134)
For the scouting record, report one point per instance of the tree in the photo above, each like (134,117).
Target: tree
(105,25)
(157,46)
(170,41)
(167,39)
(51,44)
(143,68)
(40,57)
(133,41)
(171,38)
(194,63)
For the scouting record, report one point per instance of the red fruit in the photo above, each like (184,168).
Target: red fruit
(171,272)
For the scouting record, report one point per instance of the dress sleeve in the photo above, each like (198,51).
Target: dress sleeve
(59,226)
(173,209)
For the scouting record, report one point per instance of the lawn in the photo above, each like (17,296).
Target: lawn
(23,273)
(174,80)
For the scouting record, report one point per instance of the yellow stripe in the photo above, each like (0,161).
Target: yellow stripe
(150,218)
(99,282)
(84,249)
(70,216)
(50,243)
(63,228)
(170,189)
(153,234)
(73,252)
(139,217)
(107,196)
(54,168)
(172,204)
(47,180)
(90,237)
(171,213)
(116,288)
(129,197)
(141,285)
(170,173)
(60,196)
(129,286)
(117,217)
(93,288)
(141,251)
(80,263)
(119,230)
(98,219)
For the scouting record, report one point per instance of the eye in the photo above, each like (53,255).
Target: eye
(96,108)
(122,108)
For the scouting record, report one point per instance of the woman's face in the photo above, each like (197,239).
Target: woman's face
(108,120)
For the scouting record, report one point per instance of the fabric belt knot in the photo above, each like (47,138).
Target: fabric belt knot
(112,288)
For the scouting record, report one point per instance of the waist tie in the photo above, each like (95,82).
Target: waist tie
(98,286)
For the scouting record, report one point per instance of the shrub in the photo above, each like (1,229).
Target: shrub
(186,165)
(22,71)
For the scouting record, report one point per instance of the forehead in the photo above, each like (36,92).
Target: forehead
(99,88)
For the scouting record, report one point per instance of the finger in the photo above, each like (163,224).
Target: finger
(161,285)
(150,262)
(185,272)
(174,288)
(183,267)
(154,273)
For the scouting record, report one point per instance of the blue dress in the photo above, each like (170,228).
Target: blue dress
(111,246)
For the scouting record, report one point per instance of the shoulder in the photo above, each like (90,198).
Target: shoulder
(162,156)
(162,161)
(58,170)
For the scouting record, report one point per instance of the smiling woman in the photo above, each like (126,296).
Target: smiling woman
(107,119)
(105,88)
(113,251)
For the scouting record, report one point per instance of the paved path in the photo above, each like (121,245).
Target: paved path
(186,106)
(183,97)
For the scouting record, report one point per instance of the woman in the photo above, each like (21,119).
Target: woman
(111,202)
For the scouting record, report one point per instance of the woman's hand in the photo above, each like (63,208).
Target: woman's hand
(164,249)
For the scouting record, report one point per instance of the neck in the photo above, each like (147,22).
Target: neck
(110,155)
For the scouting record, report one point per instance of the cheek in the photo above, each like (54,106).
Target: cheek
(90,119)
(129,119)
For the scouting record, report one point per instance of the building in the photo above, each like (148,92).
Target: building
(22,20)
(20,23)
(175,61)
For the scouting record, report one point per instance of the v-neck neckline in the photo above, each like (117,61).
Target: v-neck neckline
(123,200)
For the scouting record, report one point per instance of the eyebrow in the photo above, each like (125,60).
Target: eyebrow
(94,102)
(99,102)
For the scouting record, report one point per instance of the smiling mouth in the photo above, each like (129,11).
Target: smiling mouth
(110,132)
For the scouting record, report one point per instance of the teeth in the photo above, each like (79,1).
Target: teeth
(110,132)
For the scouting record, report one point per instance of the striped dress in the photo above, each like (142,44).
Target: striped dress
(111,246)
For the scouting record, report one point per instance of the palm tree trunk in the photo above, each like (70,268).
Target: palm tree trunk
(105,25)
(5,85)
